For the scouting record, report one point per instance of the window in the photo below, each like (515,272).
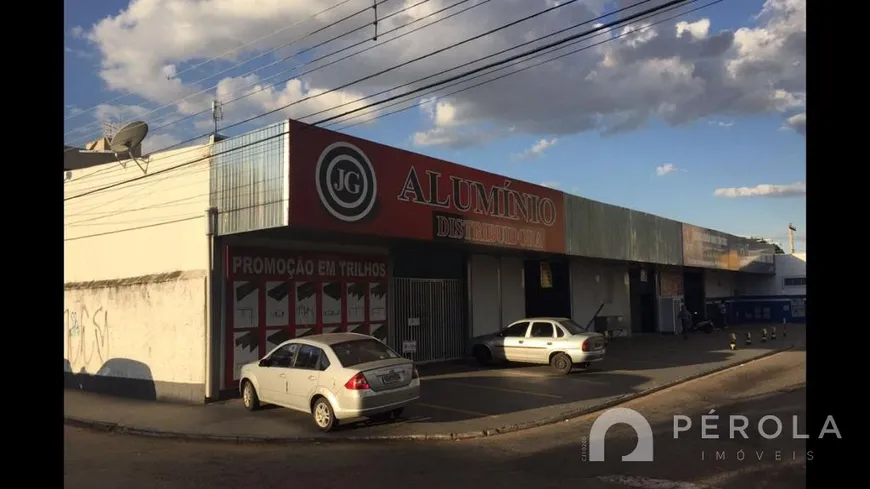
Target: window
(324,361)
(308,357)
(542,330)
(572,327)
(560,333)
(517,330)
(355,352)
(283,356)
(794,282)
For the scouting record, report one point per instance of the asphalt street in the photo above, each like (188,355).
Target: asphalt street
(553,456)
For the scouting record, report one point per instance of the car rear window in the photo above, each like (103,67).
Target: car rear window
(356,352)
(573,327)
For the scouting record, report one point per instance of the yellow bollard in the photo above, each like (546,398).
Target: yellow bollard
(764,335)
(732,341)
(748,338)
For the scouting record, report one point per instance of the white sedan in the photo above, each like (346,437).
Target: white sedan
(334,377)
(558,342)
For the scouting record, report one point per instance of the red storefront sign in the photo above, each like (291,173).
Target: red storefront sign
(342,183)
(276,295)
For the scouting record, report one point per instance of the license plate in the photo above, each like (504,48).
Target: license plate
(391,378)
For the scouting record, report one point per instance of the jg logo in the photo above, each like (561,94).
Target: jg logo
(643,452)
(346,182)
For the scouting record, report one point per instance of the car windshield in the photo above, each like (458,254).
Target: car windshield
(355,352)
(573,327)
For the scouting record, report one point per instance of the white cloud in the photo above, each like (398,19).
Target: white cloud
(763,190)
(698,30)
(678,71)
(665,169)
(797,123)
(721,123)
(537,150)
(550,184)
(158,142)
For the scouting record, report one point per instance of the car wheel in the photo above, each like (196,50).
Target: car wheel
(397,413)
(482,355)
(249,396)
(324,416)
(561,363)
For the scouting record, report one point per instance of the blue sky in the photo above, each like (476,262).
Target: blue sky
(721,150)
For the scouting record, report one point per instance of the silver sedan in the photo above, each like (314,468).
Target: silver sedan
(558,342)
(334,377)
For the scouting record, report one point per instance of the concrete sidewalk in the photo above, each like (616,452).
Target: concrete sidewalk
(458,400)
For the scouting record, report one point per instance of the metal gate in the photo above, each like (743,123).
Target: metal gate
(428,319)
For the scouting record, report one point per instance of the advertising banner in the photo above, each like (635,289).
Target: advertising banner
(342,183)
(705,248)
(276,295)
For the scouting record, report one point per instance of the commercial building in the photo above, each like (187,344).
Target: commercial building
(774,298)
(294,230)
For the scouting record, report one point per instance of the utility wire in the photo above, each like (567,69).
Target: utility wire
(625,34)
(297,23)
(476,4)
(333,62)
(390,69)
(257,70)
(270,35)
(103,215)
(561,31)
(530,52)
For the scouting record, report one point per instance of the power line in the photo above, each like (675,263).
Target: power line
(146,226)
(625,34)
(333,62)
(530,52)
(302,21)
(618,11)
(393,68)
(476,4)
(257,70)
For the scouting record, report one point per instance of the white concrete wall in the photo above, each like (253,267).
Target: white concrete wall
(513,292)
(719,283)
(160,326)
(787,266)
(154,225)
(594,282)
(485,305)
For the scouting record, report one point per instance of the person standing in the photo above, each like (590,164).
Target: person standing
(685,321)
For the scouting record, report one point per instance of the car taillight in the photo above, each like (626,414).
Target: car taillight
(415,374)
(357,383)
(585,345)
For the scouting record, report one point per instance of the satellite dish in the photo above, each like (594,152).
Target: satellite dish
(127,139)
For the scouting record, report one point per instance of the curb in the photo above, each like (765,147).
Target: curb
(470,435)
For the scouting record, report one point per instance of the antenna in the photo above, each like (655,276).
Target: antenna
(127,139)
(217,114)
(791,231)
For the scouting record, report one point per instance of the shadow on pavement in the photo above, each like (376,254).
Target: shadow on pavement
(500,462)
(739,462)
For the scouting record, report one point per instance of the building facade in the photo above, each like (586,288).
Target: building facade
(311,231)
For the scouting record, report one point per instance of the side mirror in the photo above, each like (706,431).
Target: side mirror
(265,362)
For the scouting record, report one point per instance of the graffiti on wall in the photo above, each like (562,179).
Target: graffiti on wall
(87,336)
